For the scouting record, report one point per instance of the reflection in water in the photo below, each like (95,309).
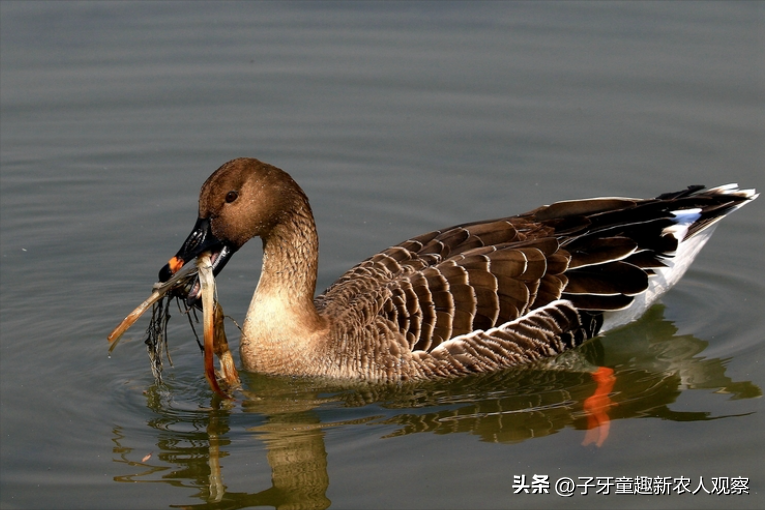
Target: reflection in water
(651,367)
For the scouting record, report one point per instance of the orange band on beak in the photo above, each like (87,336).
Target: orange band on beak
(175,264)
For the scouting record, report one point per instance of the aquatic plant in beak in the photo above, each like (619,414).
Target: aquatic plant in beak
(194,286)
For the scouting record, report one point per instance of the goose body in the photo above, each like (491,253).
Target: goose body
(472,298)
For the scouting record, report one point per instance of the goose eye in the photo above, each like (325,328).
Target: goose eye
(231,196)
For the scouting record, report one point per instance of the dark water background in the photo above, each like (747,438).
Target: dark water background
(396,118)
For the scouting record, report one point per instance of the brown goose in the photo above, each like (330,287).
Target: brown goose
(473,298)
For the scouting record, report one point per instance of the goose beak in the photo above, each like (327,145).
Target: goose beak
(200,240)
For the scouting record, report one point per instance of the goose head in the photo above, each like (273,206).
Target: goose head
(244,198)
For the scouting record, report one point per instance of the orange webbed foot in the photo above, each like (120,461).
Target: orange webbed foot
(597,405)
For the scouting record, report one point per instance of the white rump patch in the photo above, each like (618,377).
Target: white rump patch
(665,277)
(684,218)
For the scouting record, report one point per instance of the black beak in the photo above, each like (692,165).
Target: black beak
(200,240)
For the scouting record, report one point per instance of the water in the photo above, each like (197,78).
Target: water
(397,119)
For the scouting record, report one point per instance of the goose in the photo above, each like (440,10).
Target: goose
(472,298)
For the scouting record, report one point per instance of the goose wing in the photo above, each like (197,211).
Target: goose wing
(558,268)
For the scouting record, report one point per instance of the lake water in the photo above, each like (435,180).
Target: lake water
(397,119)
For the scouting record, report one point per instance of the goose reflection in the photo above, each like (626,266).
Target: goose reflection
(652,366)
